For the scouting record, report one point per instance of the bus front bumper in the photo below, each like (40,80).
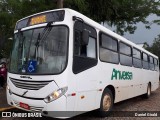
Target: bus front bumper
(55,108)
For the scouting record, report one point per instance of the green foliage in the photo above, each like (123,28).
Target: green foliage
(155,47)
(13,10)
(123,14)
(5,53)
(78,5)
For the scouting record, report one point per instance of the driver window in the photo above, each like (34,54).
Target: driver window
(91,48)
(84,50)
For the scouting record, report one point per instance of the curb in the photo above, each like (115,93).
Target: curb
(7,108)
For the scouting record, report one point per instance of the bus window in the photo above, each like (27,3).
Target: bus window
(137,58)
(156,64)
(91,48)
(125,54)
(108,49)
(151,63)
(85,55)
(145,61)
(77,43)
(84,50)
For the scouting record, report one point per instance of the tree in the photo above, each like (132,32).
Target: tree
(155,47)
(60,3)
(6,25)
(13,10)
(146,45)
(123,14)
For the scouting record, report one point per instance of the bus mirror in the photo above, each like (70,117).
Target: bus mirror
(85,37)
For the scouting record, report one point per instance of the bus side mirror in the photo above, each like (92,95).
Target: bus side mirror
(85,37)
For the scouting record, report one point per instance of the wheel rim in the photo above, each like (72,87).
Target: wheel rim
(107,102)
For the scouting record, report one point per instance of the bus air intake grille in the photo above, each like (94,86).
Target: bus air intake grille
(29,85)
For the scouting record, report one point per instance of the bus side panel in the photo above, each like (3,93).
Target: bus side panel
(106,73)
(86,89)
(139,83)
(155,80)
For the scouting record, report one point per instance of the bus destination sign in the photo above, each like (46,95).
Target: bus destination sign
(53,16)
(38,19)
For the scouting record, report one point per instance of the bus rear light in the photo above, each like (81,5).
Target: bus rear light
(56,94)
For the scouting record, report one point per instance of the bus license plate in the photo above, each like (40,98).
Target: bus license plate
(25,106)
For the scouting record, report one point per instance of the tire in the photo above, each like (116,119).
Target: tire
(106,103)
(148,93)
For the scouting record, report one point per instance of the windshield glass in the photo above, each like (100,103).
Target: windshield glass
(40,51)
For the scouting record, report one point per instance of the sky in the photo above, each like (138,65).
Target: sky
(142,34)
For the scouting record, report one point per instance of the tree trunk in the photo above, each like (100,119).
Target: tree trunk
(60,3)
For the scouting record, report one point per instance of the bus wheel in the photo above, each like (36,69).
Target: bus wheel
(148,94)
(106,103)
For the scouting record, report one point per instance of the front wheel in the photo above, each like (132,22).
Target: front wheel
(106,103)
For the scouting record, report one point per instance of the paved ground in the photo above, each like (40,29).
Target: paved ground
(137,104)
(3,100)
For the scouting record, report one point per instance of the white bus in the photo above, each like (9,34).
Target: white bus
(63,61)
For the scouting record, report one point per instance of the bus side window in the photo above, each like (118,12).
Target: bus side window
(91,48)
(108,49)
(156,64)
(125,54)
(85,47)
(145,61)
(84,50)
(77,43)
(151,63)
(137,58)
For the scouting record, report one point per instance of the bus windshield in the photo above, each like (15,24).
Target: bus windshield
(40,51)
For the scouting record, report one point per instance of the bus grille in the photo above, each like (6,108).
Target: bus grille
(29,85)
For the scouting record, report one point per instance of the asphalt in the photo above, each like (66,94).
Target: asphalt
(3,100)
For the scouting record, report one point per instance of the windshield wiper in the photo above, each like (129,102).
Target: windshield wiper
(21,48)
(42,37)
(21,41)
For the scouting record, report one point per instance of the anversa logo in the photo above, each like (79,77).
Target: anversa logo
(121,75)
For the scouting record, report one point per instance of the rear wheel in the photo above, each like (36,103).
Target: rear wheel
(106,103)
(148,93)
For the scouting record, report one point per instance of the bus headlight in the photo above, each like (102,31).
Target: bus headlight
(7,87)
(56,94)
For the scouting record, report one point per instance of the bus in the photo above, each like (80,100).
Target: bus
(63,64)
